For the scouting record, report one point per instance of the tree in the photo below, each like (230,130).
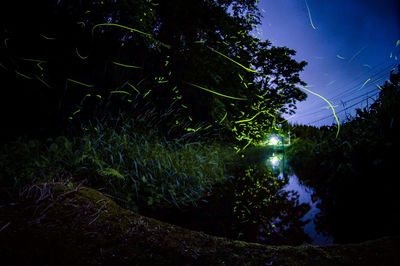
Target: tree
(88,59)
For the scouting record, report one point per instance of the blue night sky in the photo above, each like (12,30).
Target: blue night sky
(351,50)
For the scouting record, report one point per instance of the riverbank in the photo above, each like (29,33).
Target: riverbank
(66,224)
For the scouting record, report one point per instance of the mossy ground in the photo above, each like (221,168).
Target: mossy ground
(67,224)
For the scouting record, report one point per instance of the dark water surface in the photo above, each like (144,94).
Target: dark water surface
(306,196)
(278,162)
(283,215)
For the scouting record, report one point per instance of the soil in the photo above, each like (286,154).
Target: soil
(68,224)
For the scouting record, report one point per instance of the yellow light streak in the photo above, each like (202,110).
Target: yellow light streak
(217,93)
(330,105)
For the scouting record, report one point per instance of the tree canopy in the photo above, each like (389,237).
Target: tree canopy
(65,62)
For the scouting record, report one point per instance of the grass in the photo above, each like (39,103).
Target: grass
(140,170)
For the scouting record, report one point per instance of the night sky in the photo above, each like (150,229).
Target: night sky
(351,50)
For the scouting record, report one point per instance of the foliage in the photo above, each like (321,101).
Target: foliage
(266,213)
(355,174)
(142,171)
(185,75)
(88,59)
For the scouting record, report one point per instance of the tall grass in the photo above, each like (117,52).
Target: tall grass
(142,170)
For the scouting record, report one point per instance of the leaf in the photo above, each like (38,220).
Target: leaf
(150,201)
(110,172)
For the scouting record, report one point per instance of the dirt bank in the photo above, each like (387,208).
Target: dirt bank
(65,224)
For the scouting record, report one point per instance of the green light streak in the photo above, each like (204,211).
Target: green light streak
(223,118)
(122,92)
(41,80)
(356,54)
(22,75)
(32,60)
(330,105)
(364,84)
(133,87)
(248,120)
(80,83)
(47,38)
(79,55)
(121,26)
(217,93)
(39,66)
(309,15)
(379,87)
(397,43)
(147,93)
(237,63)
(340,57)
(248,143)
(38,61)
(123,65)
(194,130)
(81,23)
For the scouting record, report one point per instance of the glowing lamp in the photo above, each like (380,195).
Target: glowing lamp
(273,140)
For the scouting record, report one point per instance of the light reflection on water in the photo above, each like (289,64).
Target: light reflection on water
(305,196)
(278,164)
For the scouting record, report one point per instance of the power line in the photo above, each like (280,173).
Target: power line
(354,89)
(346,101)
(355,98)
(379,76)
(341,111)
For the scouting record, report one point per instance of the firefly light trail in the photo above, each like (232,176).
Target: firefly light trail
(330,105)
(217,93)
(123,65)
(47,38)
(223,118)
(309,15)
(79,55)
(364,84)
(80,83)
(133,87)
(356,54)
(248,120)
(121,26)
(227,57)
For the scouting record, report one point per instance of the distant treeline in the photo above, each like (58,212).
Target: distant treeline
(356,174)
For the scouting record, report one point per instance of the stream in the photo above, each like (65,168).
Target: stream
(277,162)
(306,196)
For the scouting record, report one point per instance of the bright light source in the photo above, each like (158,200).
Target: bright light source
(273,140)
(274,160)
